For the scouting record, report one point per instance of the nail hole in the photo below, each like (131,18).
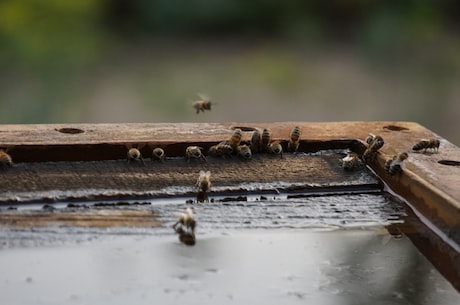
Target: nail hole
(395,128)
(70,130)
(449,162)
(244,128)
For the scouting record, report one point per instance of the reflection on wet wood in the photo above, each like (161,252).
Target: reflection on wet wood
(97,218)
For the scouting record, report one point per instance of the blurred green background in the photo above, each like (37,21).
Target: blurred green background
(260,61)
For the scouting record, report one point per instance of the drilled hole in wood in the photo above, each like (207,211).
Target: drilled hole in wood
(449,162)
(244,128)
(395,128)
(70,130)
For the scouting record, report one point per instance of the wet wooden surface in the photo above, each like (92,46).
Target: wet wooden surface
(95,218)
(55,162)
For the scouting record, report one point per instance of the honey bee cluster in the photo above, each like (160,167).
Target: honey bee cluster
(394,164)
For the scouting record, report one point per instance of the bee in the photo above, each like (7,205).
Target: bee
(235,140)
(427,144)
(244,152)
(158,154)
(5,159)
(202,104)
(375,143)
(370,138)
(194,152)
(134,154)
(351,161)
(294,137)
(393,165)
(256,141)
(223,149)
(266,138)
(276,148)
(203,183)
(186,220)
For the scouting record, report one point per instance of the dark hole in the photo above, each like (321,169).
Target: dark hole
(395,128)
(449,162)
(70,130)
(244,128)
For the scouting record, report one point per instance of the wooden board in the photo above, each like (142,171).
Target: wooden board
(93,156)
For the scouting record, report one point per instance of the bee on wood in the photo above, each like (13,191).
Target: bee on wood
(202,104)
(424,144)
(276,148)
(158,154)
(294,139)
(134,154)
(223,149)
(256,141)
(351,162)
(370,138)
(5,160)
(375,143)
(266,138)
(393,165)
(235,139)
(244,152)
(203,183)
(188,221)
(194,152)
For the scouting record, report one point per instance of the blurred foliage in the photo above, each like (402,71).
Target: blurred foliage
(57,56)
(43,34)
(55,32)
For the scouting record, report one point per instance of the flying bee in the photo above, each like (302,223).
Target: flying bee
(134,154)
(158,154)
(256,141)
(351,161)
(424,144)
(244,152)
(294,138)
(235,140)
(393,165)
(5,160)
(266,138)
(202,104)
(194,152)
(186,220)
(203,183)
(223,149)
(276,148)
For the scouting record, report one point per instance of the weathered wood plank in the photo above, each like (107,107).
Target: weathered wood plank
(430,182)
(94,218)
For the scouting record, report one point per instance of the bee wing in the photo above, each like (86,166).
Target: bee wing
(203,97)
